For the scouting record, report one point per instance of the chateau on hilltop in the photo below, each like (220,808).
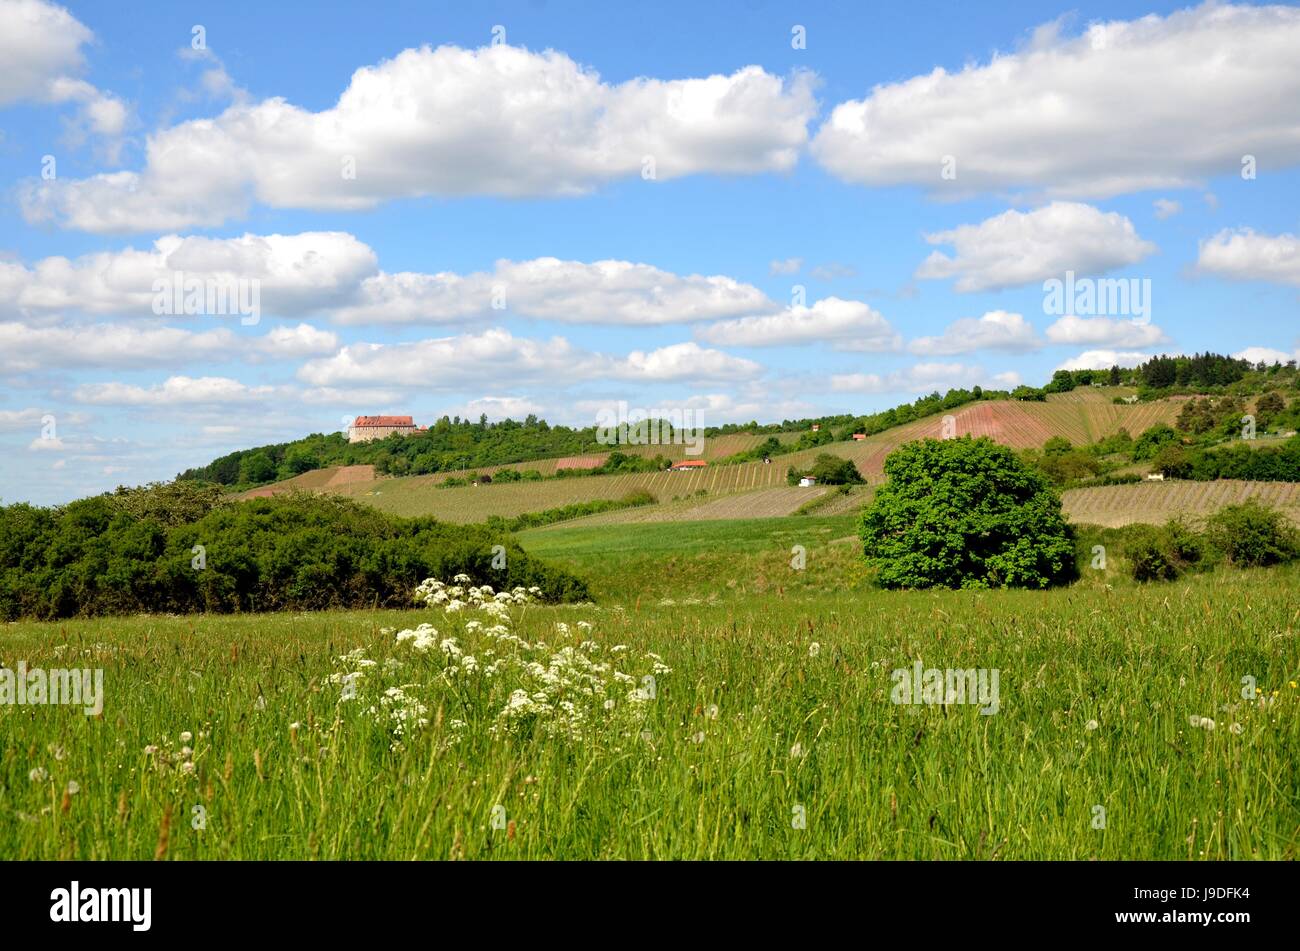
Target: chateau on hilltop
(366,428)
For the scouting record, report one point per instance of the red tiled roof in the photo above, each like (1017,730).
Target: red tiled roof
(384,421)
(581,462)
(690,464)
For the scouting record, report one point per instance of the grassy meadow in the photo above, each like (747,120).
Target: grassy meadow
(768,730)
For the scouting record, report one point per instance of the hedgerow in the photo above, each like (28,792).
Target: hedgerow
(99,556)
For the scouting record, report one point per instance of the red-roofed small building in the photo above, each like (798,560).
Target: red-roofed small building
(688,465)
(366,428)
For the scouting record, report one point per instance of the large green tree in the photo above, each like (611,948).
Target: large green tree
(965,513)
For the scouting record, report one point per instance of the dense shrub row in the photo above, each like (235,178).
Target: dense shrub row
(128,554)
(1236,461)
(1248,535)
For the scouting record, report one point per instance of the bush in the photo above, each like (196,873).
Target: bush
(965,513)
(1251,535)
(1162,554)
(292,552)
(1147,556)
(169,503)
(1186,547)
(828,469)
(1062,466)
(1173,460)
(1152,441)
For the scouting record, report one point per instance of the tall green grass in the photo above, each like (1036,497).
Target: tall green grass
(752,725)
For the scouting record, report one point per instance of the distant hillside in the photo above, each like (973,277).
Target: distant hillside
(1081,406)
(1081,417)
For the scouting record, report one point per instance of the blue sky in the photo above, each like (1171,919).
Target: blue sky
(833,228)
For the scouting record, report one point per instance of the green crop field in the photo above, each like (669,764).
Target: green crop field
(418,496)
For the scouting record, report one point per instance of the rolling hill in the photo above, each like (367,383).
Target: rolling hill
(1081,416)
(758,490)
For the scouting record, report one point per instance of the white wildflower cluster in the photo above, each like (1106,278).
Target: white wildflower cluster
(461,595)
(508,685)
(423,638)
(574,692)
(395,708)
(401,712)
(569,690)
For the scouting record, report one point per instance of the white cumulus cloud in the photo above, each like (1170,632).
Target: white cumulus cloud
(1104,332)
(40,47)
(1016,248)
(1104,360)
(849,324)
(923,378)
(25,348)
(175,391)
(600,292)
(294,274)
(1245,255)
(1266,355)
(1156,102)
(499,121)
(995,330)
